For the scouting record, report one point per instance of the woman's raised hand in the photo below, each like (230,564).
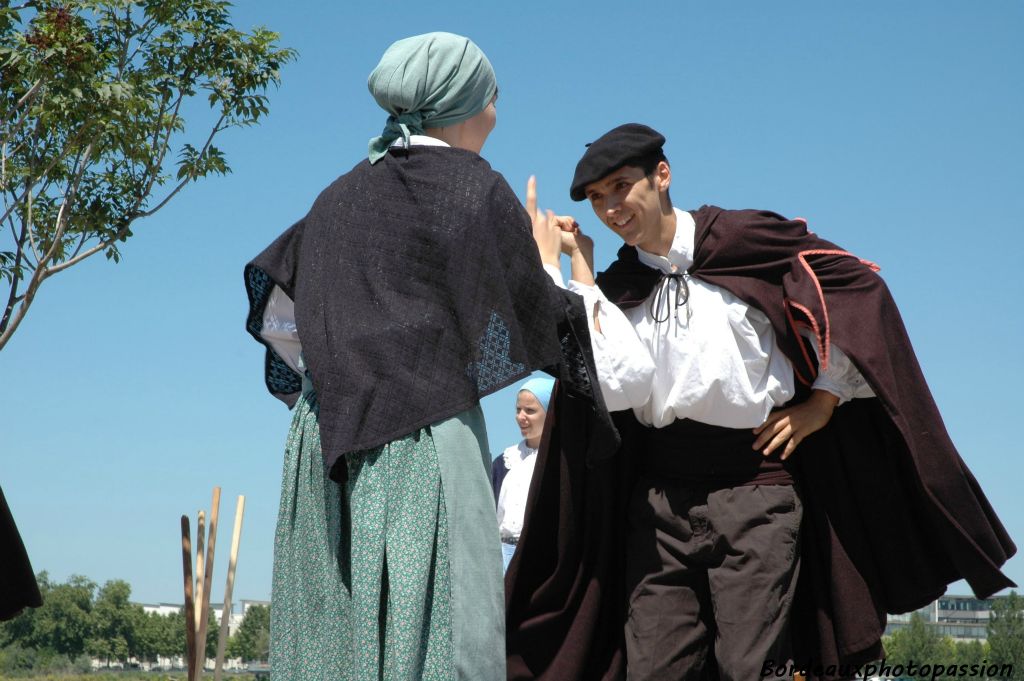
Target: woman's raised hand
(546,230)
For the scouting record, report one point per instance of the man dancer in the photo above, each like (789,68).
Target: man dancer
(729,335)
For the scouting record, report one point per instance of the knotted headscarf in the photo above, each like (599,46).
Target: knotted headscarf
(431,80)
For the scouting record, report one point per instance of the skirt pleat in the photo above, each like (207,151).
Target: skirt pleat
(363,573)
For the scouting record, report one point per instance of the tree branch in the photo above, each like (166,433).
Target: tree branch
(68,147)
(62,213)
(135,214)
(18,240)
(206,146)
(30,94)
(81,243)
(28,224)
(42,272)
(10,131)
(12,299)
(144,32)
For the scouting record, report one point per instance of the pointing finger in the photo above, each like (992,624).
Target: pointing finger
(531,196)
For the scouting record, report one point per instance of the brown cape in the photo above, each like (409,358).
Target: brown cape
(892,514)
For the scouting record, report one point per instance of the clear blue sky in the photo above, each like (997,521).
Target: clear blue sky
(896,129)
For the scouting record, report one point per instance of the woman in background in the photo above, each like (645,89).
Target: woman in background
(512,472)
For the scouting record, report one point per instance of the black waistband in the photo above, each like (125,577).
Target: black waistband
(709,455)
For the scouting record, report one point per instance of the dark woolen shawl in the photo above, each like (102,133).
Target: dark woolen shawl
(892,515)
(18,587)
(418,290)
(563,588)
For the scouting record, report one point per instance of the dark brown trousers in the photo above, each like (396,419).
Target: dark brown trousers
(710,577)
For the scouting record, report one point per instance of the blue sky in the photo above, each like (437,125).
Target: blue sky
(894,128)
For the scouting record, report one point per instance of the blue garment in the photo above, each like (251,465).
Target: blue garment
(507,551)
(498,472)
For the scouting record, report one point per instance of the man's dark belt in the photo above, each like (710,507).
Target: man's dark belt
(712,456)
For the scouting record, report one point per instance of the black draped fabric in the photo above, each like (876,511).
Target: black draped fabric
(18,587)
(563,588)
(892,514)
(418,290)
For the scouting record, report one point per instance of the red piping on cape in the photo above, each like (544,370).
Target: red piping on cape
(817,336)
(823,343)
(795,325)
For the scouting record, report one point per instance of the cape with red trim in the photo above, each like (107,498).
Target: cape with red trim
(892,514)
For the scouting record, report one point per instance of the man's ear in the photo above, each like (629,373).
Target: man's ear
(663,175)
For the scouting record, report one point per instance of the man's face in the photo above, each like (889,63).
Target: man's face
(629,205)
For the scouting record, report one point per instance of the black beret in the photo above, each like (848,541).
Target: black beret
(611,151)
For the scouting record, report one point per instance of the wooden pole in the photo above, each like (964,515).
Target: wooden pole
(200,577)
(225,617)
(190,632)
(204,619)
(200,559)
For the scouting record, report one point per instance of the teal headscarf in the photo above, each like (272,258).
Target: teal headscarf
(431,80)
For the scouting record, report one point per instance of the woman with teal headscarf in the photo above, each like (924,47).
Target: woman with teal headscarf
(412,288)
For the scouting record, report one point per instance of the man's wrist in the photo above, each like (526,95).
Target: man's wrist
(582,267)
(583,255)
(825,399)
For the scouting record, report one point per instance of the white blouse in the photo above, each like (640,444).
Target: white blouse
(520,461)
(279,329)
(714,359)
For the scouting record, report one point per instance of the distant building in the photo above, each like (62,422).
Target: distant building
(248,604)
(962,618)
(161,608)
(216,608)
(178,663)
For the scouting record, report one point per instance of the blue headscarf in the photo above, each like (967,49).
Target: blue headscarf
(432,80)
(541,388)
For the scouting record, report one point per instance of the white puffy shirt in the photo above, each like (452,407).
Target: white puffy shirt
(520,461)
(714,360)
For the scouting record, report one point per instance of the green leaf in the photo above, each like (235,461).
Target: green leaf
(133,116)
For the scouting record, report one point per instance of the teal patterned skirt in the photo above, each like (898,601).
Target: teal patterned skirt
(395,575)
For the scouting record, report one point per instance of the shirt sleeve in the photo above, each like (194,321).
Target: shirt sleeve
(841,378)
(279,329)
(555,274)
(625,368)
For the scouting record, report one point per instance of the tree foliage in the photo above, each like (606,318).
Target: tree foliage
(971,653)
(93,134)
(78,620)
(116,634)
(252,641)
(920,644)
(1006,634)
(63,623)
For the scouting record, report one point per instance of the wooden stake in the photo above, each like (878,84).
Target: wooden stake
(222,640)
(200,559)
(200,576)
(190,632)
(204,611)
